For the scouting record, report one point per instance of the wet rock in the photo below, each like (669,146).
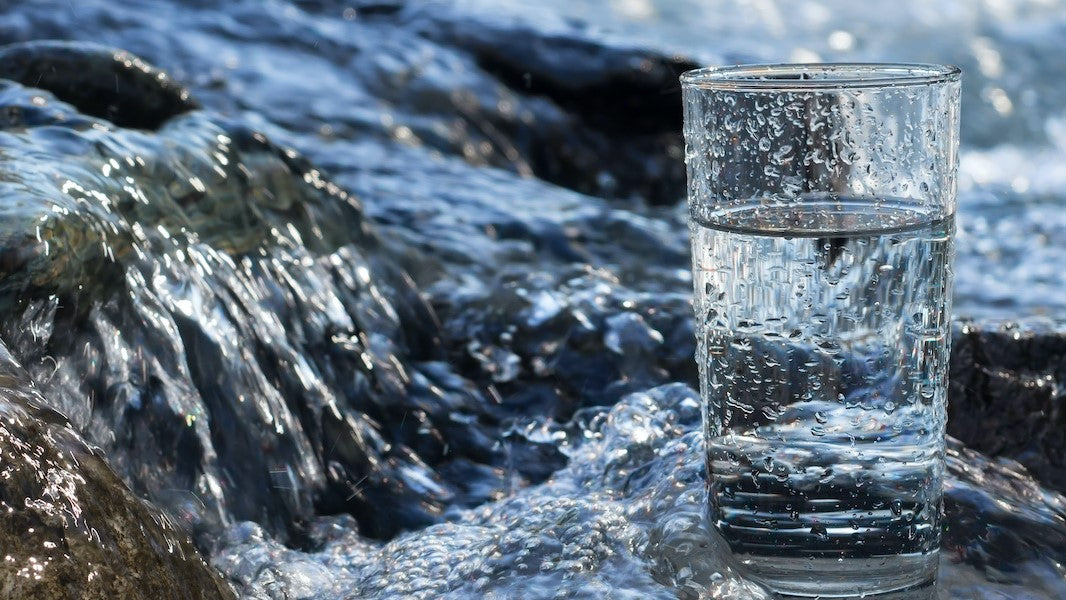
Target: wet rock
(581,339)
(219,316)
(1001,539)
(69,527)
(624,99)
(596,114)
(102,82)
(1007,394)
(223,321)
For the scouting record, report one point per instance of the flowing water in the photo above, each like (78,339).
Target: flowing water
(823,353)
(404,308)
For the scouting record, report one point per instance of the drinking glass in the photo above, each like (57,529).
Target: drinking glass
(821,203)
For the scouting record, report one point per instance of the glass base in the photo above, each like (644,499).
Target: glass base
(839,578)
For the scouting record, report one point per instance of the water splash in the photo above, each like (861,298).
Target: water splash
(626,516)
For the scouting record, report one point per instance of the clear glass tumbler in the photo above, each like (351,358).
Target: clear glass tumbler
(822,202)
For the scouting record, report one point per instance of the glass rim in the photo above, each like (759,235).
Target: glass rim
(785,77)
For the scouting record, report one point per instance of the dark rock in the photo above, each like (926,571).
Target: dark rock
(624,138)
(69,527)
(596,114)
(1008,394)
(102,82)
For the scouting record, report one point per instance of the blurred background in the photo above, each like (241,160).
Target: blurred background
(1012,171)
(1007,48)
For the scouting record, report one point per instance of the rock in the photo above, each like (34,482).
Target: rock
(223,321)
(69,527)
(596,114)
(625,100)
(1007,393)
(102,82)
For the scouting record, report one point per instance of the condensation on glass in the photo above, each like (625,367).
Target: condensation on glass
(822,203)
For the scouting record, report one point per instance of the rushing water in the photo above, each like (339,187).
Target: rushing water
(449,368)
(823,352)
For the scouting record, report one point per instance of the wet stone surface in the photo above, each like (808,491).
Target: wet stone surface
(69,527)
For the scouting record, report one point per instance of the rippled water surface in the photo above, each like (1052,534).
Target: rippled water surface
(402,307)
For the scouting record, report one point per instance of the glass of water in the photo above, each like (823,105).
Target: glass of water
(822,203)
